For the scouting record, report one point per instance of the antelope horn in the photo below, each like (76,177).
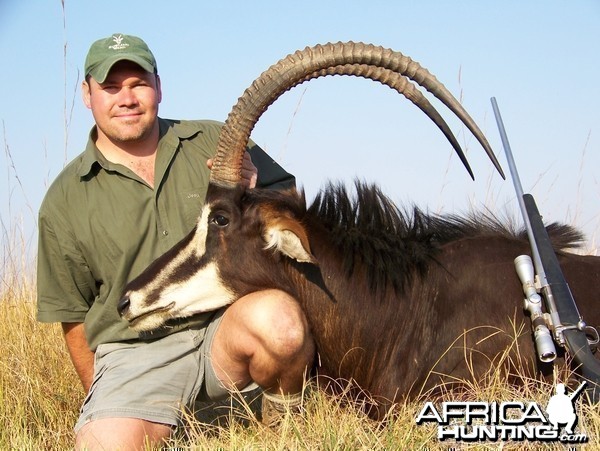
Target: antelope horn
(364,60)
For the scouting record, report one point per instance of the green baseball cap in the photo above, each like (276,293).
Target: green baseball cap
(104,53)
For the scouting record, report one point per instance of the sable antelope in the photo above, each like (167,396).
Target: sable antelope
(395,300)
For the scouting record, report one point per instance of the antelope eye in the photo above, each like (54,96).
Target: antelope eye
(220,220)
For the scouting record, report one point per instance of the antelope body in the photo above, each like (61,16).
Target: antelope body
(395,300)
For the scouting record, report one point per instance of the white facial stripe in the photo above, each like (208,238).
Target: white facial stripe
(201,292)
(149,323)
(201,231)
(204,292)
(197,246)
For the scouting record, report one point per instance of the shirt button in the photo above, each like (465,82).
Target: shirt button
(165,232)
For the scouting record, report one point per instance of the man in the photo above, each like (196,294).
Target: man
(131,195)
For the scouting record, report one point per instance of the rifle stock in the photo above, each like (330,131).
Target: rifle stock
(575,338)
(565,319)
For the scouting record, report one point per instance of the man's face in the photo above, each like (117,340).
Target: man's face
(125,106)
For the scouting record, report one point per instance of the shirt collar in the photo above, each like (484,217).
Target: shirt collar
(169,129)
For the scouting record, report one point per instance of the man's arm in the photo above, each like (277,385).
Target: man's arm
(81,355)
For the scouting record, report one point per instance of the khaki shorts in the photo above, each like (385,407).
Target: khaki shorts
(154,380)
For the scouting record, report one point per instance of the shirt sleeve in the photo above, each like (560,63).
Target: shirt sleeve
(270,174)
(65,286)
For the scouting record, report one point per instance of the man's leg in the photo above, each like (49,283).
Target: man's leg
(263,337)
(138,391)
(121,433)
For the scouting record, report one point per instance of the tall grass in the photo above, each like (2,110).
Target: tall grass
(39,390)
(40,396)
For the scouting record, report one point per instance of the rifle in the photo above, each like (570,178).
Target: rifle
(574,395)
(563,318)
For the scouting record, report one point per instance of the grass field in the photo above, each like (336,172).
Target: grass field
(40,396)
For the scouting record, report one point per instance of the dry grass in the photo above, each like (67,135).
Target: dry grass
(40,396)
(39,391)
(327,423)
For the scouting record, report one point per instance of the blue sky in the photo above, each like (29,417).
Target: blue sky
(539,59)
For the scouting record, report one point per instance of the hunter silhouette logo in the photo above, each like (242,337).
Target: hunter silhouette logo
(561,408)
(119,44)
(507,421)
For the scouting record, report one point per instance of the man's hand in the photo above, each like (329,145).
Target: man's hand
(249,171)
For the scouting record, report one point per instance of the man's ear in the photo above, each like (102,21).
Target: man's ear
(85,94)
(158,89)
(289,238)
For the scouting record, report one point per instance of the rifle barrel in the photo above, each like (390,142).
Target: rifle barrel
(535,254)
(559,298)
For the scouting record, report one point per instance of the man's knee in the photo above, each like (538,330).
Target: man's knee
(121,433)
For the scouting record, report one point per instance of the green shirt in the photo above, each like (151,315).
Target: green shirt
(100,225)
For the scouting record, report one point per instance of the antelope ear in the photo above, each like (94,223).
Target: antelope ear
(289,238)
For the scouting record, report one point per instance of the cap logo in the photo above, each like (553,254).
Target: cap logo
(119,44)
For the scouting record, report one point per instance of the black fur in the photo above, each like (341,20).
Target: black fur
(394,244)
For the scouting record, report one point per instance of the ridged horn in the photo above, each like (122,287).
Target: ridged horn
(357,59)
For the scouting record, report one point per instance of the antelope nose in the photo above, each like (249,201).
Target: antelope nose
(123,305)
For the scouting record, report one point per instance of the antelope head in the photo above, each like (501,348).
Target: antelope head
(187,280)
